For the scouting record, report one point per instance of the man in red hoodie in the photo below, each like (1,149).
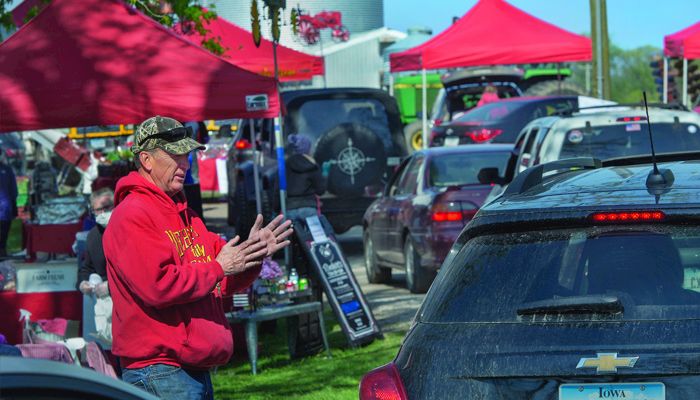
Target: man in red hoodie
(167,273)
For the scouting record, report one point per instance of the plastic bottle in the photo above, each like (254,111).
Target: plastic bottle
(294,278)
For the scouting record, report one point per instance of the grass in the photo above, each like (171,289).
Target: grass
(316,377)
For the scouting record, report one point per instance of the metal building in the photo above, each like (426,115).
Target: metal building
(356,63)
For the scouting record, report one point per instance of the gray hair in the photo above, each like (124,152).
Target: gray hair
(102,192)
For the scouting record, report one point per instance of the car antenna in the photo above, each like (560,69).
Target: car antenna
(658,181)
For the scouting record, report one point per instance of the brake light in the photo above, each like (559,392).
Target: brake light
(383,383)
(483,134)
(628,216)
(437,122)
(631,119)
(243,144)
(453,211)
(10,152)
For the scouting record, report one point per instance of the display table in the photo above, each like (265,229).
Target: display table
(47,305)
(52,238)
(251,319)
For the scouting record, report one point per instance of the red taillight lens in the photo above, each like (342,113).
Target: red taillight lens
(631,119)
(437,122)
(628,216)
(383,383)
(243,144)
(483,134)
(453,211)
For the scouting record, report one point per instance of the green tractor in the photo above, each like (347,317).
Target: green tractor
(450,95)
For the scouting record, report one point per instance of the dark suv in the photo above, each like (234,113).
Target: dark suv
(581,281)
(356,130)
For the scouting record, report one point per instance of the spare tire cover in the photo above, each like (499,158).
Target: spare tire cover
(356,155)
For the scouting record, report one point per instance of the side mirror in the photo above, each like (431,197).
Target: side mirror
(225,130)
(489,175)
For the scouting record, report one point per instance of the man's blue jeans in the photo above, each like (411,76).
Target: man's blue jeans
(172,383)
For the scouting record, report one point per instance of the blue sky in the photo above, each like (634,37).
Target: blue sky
(631,23)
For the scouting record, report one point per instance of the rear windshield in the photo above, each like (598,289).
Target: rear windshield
(463,169)
(466,96)
(492,112)
(622,140)
(653,270)
(317,117)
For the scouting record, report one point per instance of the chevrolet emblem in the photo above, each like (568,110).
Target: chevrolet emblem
(607,362)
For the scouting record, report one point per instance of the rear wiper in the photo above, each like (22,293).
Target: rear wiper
(573,305)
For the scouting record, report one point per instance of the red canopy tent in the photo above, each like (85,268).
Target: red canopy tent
(292,65)
(91,62)
(494,32)
(684,43)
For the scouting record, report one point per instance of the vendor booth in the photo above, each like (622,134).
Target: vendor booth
(493,32)
(684,44)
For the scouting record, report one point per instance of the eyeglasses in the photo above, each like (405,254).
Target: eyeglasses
(171,135)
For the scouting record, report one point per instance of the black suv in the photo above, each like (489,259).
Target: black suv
(356,130)
(581,281)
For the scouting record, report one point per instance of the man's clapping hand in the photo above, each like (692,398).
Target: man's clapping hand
(236,258)
(275,234)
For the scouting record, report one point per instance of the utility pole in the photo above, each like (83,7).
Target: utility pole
(599,37)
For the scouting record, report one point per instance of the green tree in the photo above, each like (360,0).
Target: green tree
(191,14)
(630,74)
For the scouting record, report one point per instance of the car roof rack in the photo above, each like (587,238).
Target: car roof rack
(647,158)
(533,176)
(665,106)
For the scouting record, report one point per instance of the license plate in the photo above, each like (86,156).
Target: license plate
(637,390)
(451,141)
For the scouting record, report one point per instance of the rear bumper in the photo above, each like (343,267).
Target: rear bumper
(342,213)
(433,245)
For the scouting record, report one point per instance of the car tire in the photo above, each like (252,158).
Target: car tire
(357,156)
(553,88)
(375,273)
(413,135)
(418,279)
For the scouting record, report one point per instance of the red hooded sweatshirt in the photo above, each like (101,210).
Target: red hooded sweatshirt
(165,283)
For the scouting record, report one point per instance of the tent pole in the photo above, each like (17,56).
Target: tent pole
(685,81)
(391,84)
(256,177)
(559,78)
(664,95)
(279,147)
(424,105)
(598,49)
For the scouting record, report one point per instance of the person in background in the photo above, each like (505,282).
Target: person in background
(305,180)
(8,203)
(101,205)
(489,96)
(168,274)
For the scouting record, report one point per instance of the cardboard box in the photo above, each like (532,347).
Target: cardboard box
(46,277)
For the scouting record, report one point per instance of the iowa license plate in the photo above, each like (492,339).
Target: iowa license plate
(637,390)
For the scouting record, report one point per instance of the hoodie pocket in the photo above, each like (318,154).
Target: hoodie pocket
(209,341)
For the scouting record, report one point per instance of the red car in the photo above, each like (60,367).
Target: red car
(425,205)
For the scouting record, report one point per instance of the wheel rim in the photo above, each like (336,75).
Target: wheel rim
(417,140)
(409,262)
(369,248)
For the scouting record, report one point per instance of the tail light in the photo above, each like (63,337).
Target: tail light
(383,383)
(483,134)
(631,119)
(437,122)
(453,211)
(10,152)
(243,144)
(628,216)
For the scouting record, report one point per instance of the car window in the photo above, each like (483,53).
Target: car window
(492,111)
(654,271)
(317,117)
(526,154)
(552,107)
(460,169)
(397,176)
(621,140)
(409,180)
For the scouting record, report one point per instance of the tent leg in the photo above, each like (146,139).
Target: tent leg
(664,95)
(424,106)
(588,79)
(256,176)
(685,82)
(391,84)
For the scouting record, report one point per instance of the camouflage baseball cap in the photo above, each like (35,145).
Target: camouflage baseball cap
(166,134)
